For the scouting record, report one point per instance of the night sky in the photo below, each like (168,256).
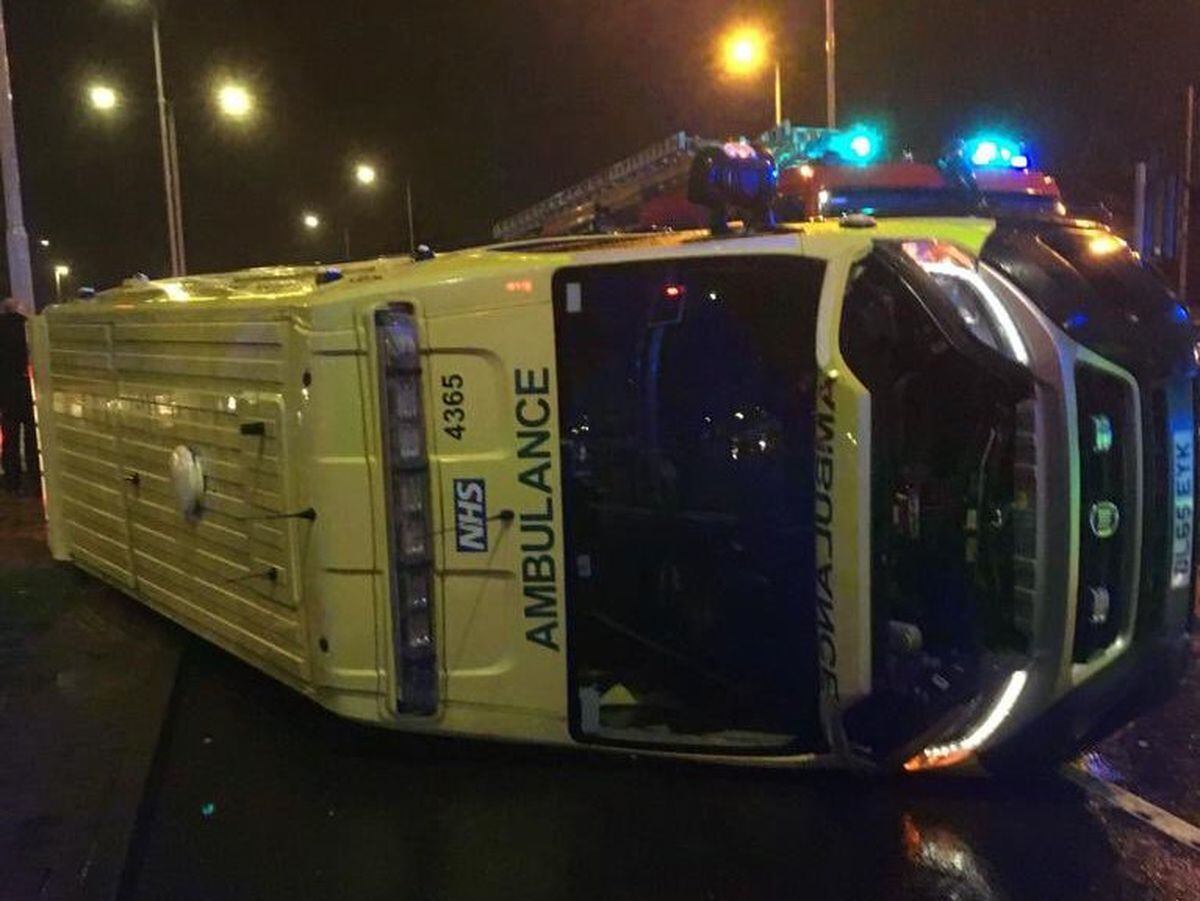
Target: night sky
(490,105)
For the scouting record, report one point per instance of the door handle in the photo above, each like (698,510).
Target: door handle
(134,479)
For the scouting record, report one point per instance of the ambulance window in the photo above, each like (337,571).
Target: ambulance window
(686,405)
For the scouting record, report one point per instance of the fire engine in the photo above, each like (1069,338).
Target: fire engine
(822,172)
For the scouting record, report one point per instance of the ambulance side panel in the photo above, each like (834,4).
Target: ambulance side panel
(126,389)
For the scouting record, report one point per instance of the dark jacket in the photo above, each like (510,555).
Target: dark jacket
(14,362)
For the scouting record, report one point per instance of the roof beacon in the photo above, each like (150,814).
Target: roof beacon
(735,176)
(995,151)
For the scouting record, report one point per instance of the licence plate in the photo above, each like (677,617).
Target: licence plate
(1184,454)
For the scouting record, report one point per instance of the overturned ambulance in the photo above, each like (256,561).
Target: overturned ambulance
(897,493)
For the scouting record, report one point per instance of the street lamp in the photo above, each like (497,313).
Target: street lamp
(746,50)
(170,150)
(312,222)
(102,97)
(830,66)
(234,100)
(61,271)
(365,174)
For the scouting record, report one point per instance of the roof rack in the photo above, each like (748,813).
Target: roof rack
(657,165)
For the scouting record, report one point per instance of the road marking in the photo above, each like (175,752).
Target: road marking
(1151,814)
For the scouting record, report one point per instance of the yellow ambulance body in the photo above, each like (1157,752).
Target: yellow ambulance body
(217,446)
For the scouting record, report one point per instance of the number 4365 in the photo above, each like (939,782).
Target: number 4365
(453,414)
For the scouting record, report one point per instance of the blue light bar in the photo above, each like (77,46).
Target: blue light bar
(994,151)
(859,144)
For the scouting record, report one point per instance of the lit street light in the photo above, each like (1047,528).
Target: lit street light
(746,50)
(365,174)
(102,98)
(61,271)
(312,223)
(45,242)
(235,101)
(170,151)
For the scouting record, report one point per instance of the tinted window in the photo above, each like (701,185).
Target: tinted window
(686,392)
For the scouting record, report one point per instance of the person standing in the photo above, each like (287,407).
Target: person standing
(17,430)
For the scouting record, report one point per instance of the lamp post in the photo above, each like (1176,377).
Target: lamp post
(313,223)
(104,99)
(366,176)
(830,65)
(233,100)
(20,268)
(747,48)
(167,143)
(170,156)
(61,271)
(746,51)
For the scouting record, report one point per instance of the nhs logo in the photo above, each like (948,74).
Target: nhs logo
(470,515)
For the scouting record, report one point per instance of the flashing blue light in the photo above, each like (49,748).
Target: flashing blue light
(985,153)
(859,144)
(1180,313)
(995,152)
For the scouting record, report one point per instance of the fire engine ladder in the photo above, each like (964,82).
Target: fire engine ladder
(616,186)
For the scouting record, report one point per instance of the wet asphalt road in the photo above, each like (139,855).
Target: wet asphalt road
(254,792)
(259,794)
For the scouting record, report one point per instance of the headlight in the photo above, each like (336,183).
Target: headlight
(952,752)
(975,293)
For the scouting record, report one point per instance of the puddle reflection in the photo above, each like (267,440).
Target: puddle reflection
(950,869)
